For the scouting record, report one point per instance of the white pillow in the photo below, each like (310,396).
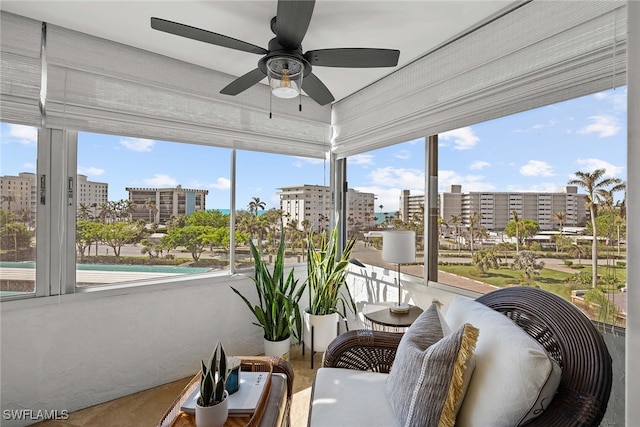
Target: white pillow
(514,378)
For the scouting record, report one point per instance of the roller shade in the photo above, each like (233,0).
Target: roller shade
(20,69)
(540,53)
(97,85)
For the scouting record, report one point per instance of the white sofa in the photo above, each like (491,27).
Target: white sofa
(350,389)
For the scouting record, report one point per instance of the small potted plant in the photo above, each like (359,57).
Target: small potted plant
(329,296)
(277,311)
(212,407)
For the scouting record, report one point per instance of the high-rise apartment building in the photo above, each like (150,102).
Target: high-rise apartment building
(495,209)
(160,204)
(20,193)
(312,203)
(91,193)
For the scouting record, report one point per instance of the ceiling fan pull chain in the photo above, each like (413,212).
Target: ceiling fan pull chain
(300,101)
(270,97)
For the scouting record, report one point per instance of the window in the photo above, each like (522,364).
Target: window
(148,209)
(19,191)
(275,191)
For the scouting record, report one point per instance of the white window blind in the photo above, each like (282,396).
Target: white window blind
(101,86)
(540,53)
(20,69)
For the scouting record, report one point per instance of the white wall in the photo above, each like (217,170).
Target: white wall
(74,351)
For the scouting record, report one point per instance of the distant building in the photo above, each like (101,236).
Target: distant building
(495,209)
(167,202)
(411,206)
(20,193)
(91,193)
(312,203)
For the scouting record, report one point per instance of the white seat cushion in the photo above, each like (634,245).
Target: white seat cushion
(347,397)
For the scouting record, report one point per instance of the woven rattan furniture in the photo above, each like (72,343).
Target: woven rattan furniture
(268,407)
(565,332)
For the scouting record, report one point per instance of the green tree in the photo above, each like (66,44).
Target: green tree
(214,219)
(191,237)
(118,234)
(87,232)
(521,229)
(14,235)
(527,261)
(596,186)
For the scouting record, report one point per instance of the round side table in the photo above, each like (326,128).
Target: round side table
(384,319)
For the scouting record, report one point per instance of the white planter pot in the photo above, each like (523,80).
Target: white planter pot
(278,348)
(213,416)
(325,330)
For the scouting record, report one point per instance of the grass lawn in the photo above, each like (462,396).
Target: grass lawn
(548,279)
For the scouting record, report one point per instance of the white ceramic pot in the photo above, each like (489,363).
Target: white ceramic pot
(278,348)
(213,416)
(325,330)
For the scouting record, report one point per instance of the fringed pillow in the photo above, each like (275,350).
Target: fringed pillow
(427,379)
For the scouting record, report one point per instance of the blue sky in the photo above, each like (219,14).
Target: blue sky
(537,150)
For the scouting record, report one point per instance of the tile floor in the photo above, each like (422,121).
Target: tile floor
(146,408)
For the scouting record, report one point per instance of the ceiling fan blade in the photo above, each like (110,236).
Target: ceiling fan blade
(204,36)
(292,21)
(243,83)
(316,89)
(353,57)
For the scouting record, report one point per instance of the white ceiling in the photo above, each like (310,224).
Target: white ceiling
(413,27)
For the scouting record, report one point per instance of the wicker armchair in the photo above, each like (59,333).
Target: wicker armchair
(567,334)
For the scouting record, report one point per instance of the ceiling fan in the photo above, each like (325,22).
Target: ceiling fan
(284,63)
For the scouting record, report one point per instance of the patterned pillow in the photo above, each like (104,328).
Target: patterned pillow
(428,376)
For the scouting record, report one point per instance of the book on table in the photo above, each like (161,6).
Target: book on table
(241,403)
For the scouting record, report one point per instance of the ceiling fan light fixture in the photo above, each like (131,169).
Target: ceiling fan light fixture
(285,76)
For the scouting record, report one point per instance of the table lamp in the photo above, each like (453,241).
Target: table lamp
(399,247)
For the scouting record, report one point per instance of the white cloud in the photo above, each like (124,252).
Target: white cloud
(221,184)
(160,180)
(389,198)
(589,165)
(603,126)
(403,155)
(90,171)
(408,179)
(536,168)
(137,144)
(26,135)
(463,138)
(29,167)
(360,159)
(479,164)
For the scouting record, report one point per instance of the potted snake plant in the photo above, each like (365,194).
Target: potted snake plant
(277,311)
(212,407)
(329,296)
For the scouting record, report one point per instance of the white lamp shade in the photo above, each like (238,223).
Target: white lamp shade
(399,246)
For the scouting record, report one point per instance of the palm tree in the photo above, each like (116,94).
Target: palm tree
(561,217)
(474,219)
(519,224)
(150,205)
(256,204)
(596,186)
(83,211)
(455,221)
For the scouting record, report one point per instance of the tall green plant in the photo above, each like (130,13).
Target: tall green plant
(327,275)
(278,310)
